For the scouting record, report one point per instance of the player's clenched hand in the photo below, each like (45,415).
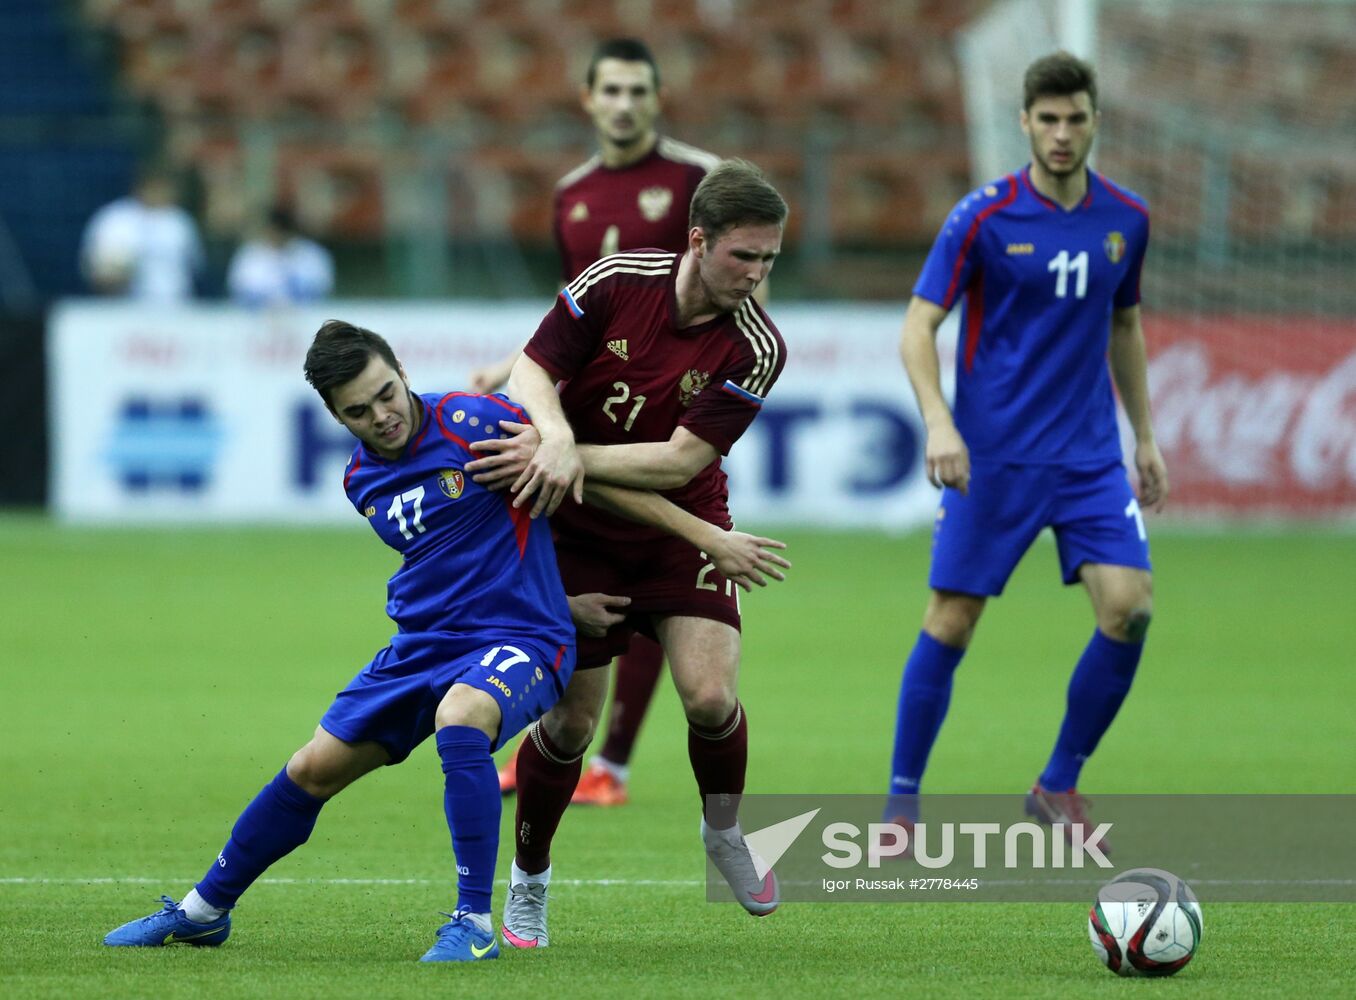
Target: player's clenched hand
(593,614)
(1153,475)
(746,559)
(554,473)
(505,458)
(948,460)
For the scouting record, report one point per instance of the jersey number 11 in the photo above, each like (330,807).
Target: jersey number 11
(1062,264)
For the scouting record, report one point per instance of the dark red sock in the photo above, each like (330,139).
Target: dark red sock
(719,758)
(637,675)
(546,780)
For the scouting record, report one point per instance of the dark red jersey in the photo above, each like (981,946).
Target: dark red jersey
(632,375)
(599,210)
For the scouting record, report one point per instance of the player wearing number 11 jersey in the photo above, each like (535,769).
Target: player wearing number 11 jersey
(1045,265)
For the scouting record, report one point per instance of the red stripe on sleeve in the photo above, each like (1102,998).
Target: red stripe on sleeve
(974,317)
(1121,196)
(357,463)
(949,299)
(488,398)
(442,428)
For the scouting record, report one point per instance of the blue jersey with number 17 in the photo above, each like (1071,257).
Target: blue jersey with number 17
(472,563)
(1037,284)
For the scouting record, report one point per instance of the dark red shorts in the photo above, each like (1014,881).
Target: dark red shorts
(666,576)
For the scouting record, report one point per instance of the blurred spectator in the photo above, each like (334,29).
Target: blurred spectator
(280,265)
(144,246)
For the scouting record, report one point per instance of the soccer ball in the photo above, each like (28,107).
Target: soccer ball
(1145,922)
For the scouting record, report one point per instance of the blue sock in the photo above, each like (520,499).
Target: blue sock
(280,819)
(924,693)
(1099,684)
(472,802)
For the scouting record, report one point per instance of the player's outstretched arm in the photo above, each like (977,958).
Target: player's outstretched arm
(554,471)
(746,559)
(650,465)
(1130,369)
(490,377)
(947,458)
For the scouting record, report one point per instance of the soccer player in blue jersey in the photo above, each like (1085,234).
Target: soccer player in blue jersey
(1046,265)
(484,643)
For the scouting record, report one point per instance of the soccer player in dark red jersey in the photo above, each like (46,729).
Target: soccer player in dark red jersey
(634,192)
(665,360)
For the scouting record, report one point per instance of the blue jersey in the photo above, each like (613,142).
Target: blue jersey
(472,564)
(1039,284)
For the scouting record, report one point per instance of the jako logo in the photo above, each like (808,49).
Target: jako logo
(1060,847)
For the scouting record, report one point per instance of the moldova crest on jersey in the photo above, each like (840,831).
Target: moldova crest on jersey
(1114,245)
(451,482)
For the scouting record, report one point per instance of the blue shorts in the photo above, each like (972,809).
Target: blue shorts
(977,540)
(393,699)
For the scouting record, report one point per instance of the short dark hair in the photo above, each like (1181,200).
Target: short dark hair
(734,194)
(339,353)
(626,50)
(1060,74)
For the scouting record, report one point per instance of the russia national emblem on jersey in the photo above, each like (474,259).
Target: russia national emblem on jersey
(451,482)
(1114,245)
(691,384)
(654,203)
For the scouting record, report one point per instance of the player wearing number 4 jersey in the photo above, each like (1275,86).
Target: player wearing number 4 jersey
(1045,264)
(665,360)
(484,642)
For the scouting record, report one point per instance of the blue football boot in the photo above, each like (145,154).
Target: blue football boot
(170,926)
(460,940)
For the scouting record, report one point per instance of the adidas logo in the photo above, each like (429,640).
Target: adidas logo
(618,347)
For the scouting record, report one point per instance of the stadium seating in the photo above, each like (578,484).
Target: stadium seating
(870,87)
(500,75)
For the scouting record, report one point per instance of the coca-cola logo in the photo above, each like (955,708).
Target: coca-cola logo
(1282,428)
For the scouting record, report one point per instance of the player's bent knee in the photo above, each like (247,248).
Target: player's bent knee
(468,706)
(954,634)
(315,775)
(1137,624)
(709,705)
(951,618)
(571,727)
(327,765)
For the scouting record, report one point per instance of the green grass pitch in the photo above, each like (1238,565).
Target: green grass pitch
(153,681)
